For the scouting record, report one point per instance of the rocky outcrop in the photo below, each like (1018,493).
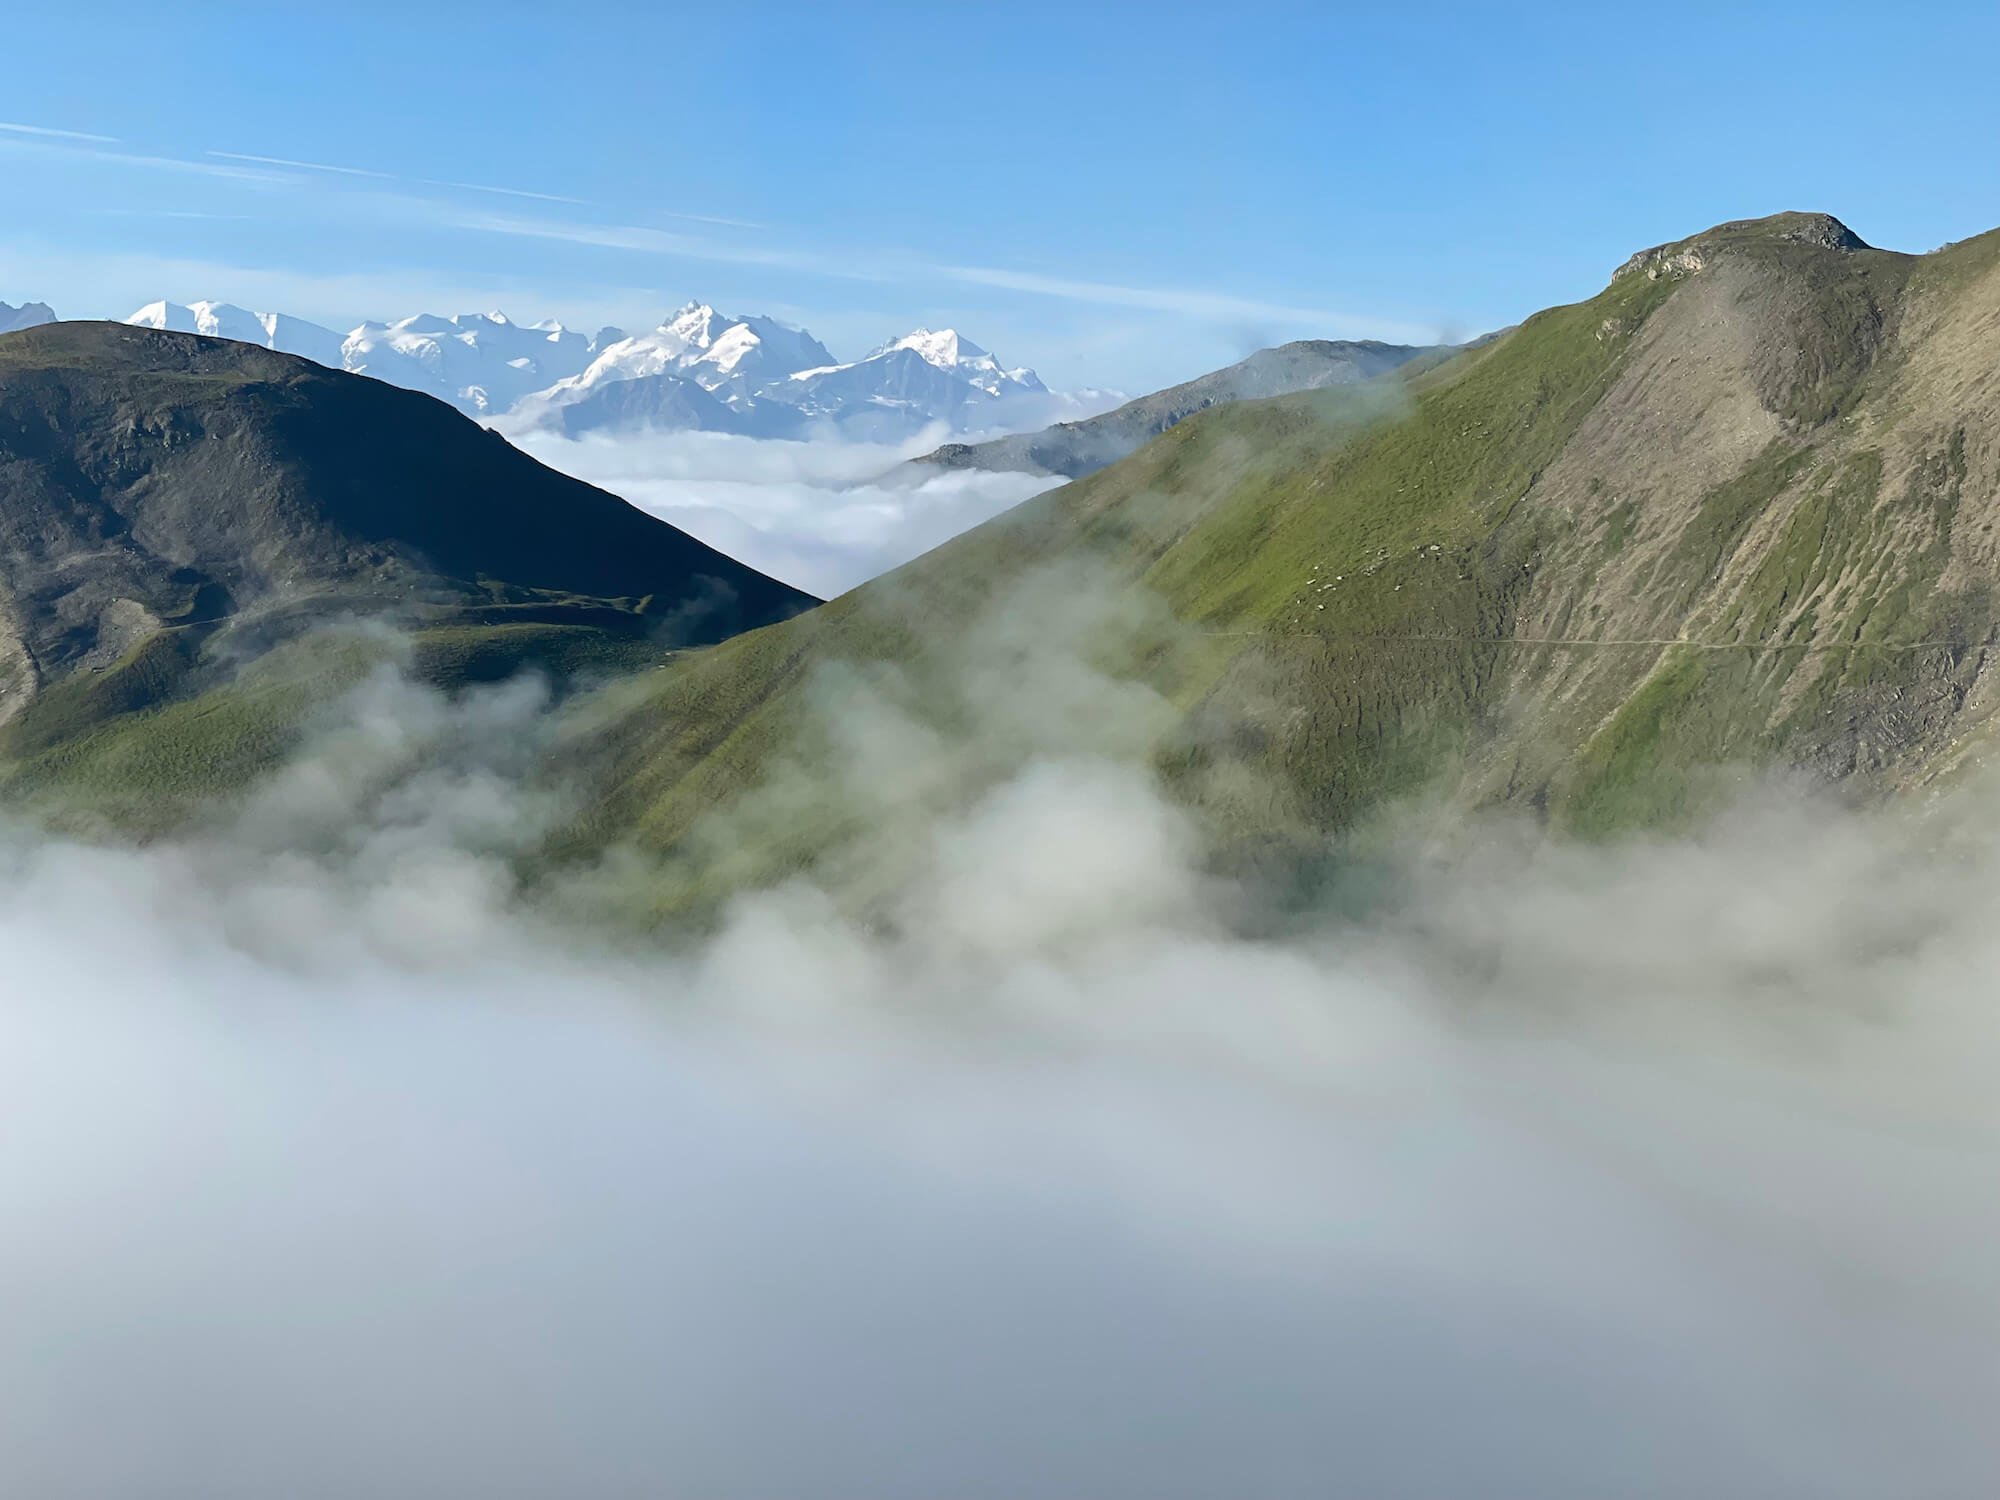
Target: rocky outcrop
(1689,257)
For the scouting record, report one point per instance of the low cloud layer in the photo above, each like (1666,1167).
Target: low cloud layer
(331,1169)
(816,515)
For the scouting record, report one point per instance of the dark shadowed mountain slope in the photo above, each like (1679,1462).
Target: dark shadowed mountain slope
(164,495)
(1074,449)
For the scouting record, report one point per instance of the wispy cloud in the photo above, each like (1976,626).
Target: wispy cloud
(511,192)
(602,236)
(1209,307)
(86,150)
(649,241)
(51,131)
(165,213)
(256,175)
(887,266)
(1188,302)
(251,166)
(380,176)
(715,219)
(310,166)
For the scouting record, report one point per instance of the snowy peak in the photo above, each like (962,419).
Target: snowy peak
(949,350)
(726,356)
(760,348)
(687,332)
(926,377)
(422,324)
(702,333)
(764,376)
(483,363)
(695,324)
(733,347)
(170,316)
(943,347)
(216,320)
(225,320)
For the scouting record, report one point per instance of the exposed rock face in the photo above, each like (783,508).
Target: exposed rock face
(1823,230)
(1689,257)
(1665,262)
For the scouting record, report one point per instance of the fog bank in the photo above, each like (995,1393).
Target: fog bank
(812,514)
(330,1169)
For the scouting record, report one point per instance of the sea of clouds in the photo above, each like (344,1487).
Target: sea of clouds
(335,1164)
(823,516)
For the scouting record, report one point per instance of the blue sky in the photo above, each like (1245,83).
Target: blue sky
(1119,194)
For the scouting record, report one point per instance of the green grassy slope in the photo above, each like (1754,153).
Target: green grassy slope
(182,725)
(1766,449)
(1735,513)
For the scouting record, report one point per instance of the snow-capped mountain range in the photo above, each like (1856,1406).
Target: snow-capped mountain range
(948,350)
(480,362)
(717,353)
(924,376)
(699,369)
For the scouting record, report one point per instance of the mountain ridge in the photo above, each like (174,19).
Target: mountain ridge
(27,315)
(775,381)
(544,374)
(1738,514)
(1071,450)
(171,503)
(1734,519)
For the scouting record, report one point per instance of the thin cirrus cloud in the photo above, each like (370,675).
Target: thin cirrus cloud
(166,213)
(74,144)
(52,133)
(370,172)
(468,187)
(1216,307)
(256,167)
(582,233)
(649,241)
(267,170)
(308,166)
